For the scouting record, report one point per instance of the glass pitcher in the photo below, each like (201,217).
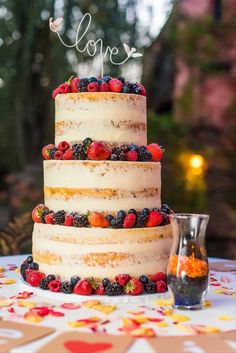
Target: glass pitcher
(187,272)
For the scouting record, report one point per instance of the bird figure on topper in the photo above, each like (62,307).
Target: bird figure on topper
(93,47)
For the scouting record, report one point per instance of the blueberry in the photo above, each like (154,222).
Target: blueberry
(143,279)
(34,266)
(109,218)
(106,78)
(137,90)
(92,79)
(132,210)
(165,208)
(29,259)
(126,89)
(133,147)
(145,211)
(50,278)
(121,214)
(121,79)
(87,142)
(74,280)
(105,282)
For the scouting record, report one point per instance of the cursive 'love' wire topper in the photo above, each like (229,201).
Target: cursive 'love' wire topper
(93,47)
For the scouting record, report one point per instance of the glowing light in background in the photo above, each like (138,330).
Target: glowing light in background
(194,166)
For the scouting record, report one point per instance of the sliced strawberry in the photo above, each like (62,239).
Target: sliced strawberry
(129,220)
(83,287)
(154,219)
(98,151)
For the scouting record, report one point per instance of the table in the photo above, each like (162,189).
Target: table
(219,312)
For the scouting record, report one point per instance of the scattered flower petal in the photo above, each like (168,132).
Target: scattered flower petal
(26,304)
(225,318)
(163,302)
(5,302)
(104,308)
(90,303)
(70,306)
(179,318)
(33,318)
(143,332)
(206,329)
(2,269)
(8,281)
(23,295)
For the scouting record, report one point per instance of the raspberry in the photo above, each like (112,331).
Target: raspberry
(34,277)
(154,219)
(58,155)
(55,285)
(115,85)
(49,218)
(156,151)
(113,288)
(122,279)
(62,89)
(63,146)
(68,154)
(93,87)
(103,87)
(68,220)
(129,221)
(74,84)
(83,287)
(159,276)
(132,156)
(100,290)
(161,287)
(59,217)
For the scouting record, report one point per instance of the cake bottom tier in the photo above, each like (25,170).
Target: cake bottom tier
(100,252)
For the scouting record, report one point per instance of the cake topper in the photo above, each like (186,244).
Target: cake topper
(93,47)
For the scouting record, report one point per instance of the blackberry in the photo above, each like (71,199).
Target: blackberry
(52,151)
(121,79)
(74,213)
(165,219)
(165,208)
(34,266)
(143,279)
(141,220)
(126,88)
(29,259)
(43,284)
(122,156)
(23,269)
(59,217)
(124,148)
(45,213)
(121,214)
(67,287)
(80,220)
(132,210)
(117,223)
(144,154)
(150,287)
(92,79)
(133,147)
(74,280)
(113,288)
(79,152)
(116,150)
(83,84)
(109,218)
(74,146)
(105,282)
(106,78)
(50,278)
(145,211)
(87,142)
(114,157)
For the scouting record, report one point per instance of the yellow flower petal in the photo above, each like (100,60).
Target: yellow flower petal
(32,318)
(163,302)
(162,324)
(8,281)
(207,304)
(206,329)
(17,269)
(186,329)
(168,312)
(143,332)
(219,291)
(225,318)
(6,302)
(26,304)
(76,324)
(2,269)
(141,319)
(90,303)
(179,318)
(106,309)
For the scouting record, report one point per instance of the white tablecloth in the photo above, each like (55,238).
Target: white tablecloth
(220,313)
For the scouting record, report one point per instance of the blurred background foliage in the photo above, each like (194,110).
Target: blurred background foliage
(189,70)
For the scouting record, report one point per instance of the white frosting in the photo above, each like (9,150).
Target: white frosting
(80,185)
(147,249)
(113,117)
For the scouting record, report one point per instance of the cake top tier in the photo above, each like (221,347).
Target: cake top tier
(106,110)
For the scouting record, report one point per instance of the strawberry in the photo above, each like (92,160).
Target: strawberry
(97,220)
(161,287)
(58,155)
(68,220)
(103,87)
(74,84)
(55,285)
(46,151)
(93,87)
(83,287)
(156,151)
(63,146)
(143,90)
(159,276)
(129,220)
(100,290)
(49,218)
(68,154)
(61,89)
(123,279)
(33,277)
(154,219)
(38,212)
(134,287)
(98,151)
(115,85)
(132,156)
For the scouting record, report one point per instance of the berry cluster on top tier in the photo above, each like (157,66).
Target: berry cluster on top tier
(104,84)
(97,151)
(131,219)
(122,284)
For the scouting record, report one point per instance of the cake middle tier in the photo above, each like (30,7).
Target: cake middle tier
(104,186)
